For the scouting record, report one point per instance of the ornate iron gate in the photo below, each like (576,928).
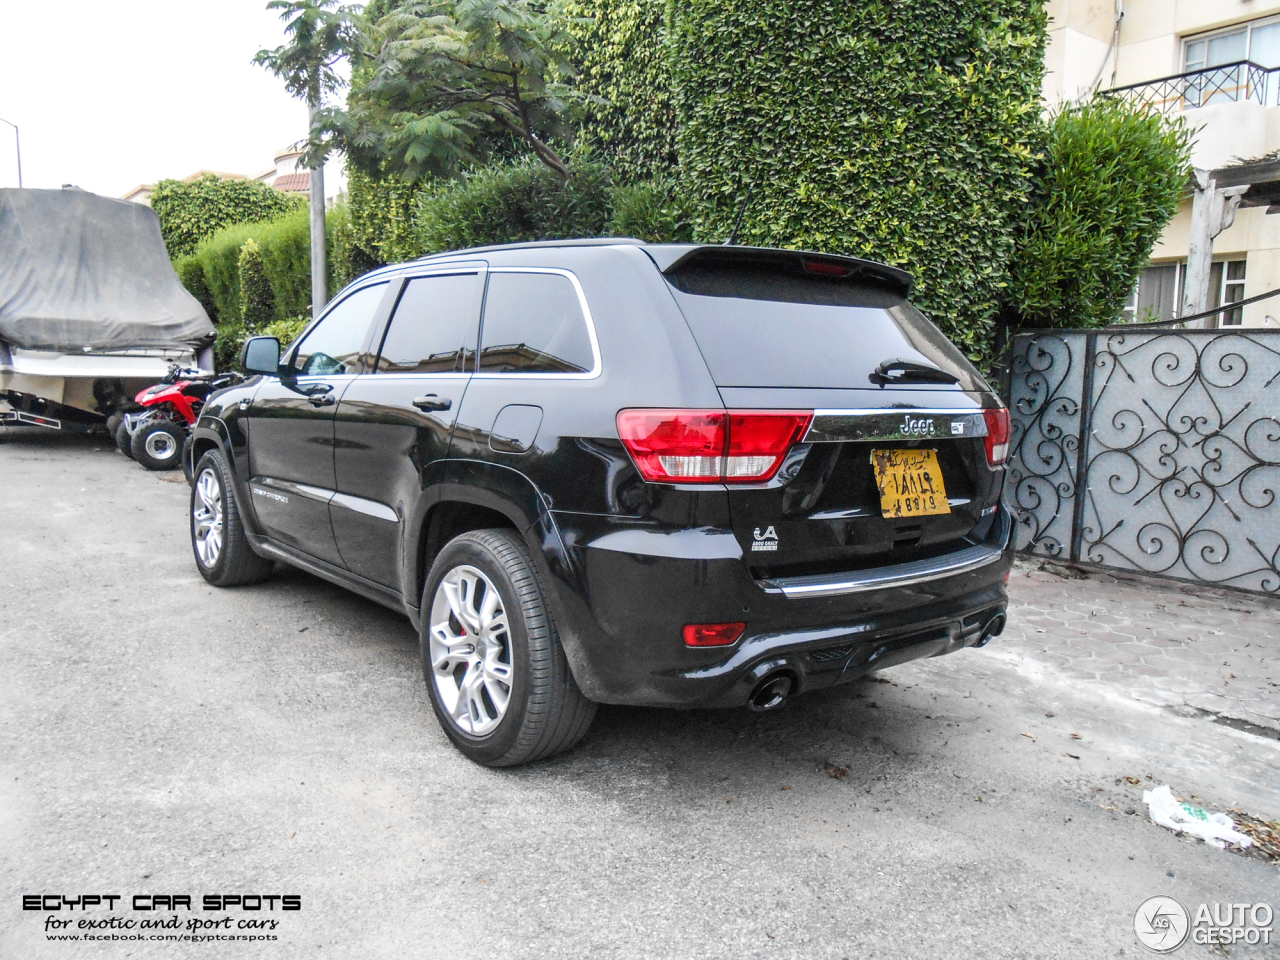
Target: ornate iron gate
(1154,451)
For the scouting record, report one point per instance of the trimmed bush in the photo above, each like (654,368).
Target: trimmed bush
(286,258)
(231,338)
(907,132)
(190,212)
(257,304)
(513,203)
(226,349)
(1113,175)
(287,330)
(621,53)
(650,210)
(219,255)
(191,275)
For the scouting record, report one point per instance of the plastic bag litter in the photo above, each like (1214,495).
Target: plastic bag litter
(1212,828)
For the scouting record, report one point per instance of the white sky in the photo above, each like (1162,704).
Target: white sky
(113,93)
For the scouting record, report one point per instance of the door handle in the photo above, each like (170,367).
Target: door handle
(318,399)
(432,402)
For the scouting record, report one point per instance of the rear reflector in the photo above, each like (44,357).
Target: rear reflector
(712,634)
(997,435)
(710,446)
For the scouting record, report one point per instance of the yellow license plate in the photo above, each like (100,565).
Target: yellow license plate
(910,483)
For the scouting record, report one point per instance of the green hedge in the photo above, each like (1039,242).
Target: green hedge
(622,57)
(191,212)
(905,131)
(284,246)
(191,275)
(651,210)
(513,203)
(381,217)
(219,256)
(286,258)
(1112,178)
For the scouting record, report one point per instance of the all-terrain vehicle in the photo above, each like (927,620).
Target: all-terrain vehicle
(154,435)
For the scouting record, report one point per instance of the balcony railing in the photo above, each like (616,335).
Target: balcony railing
(1230,82)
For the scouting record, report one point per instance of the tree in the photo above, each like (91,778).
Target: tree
(321,33)
(452,81)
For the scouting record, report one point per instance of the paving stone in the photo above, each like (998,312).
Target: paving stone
(1157,641)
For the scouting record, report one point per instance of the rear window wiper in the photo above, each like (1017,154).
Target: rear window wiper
(908,371)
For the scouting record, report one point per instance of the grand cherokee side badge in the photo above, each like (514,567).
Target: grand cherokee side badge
(259,492)
(765,541)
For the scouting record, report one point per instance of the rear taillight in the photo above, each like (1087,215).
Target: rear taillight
(710,446)
(997,435)
(712,634)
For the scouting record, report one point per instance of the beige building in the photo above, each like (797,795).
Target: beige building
(1216,62)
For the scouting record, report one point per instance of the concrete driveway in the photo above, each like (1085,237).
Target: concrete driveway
(160,738)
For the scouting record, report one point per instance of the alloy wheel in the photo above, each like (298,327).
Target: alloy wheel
(470,650)
(161,445)
(206,518)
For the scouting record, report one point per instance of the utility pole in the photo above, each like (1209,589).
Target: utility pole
(319,293)
(1213,210)
(17,143)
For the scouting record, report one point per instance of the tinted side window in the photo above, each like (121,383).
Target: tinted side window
(434,326)
(333,347)
(533,323)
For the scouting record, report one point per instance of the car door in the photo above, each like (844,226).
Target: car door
(291,424)
(394,425)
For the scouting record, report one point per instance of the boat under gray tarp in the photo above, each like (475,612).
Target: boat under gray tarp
(91,310)
(83,272)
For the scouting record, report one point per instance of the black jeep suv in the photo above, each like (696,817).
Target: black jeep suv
(611,472)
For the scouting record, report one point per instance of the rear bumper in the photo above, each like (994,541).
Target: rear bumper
(624,615)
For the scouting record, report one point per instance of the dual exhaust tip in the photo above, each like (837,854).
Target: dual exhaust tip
(771,691)
(773,688)
(993,629)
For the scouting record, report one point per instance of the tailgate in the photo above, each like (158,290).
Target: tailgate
(789,331)
(830,514)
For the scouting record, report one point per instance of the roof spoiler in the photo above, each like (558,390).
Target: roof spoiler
(829,266)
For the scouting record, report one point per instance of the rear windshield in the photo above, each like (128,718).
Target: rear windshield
(766,327)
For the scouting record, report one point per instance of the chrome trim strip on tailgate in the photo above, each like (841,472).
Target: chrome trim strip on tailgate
(880,578)
(898,575)
(833,426)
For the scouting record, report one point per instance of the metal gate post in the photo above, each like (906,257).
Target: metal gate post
(1082,455)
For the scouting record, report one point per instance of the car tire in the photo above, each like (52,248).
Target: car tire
(544,712)
(218,536)
(157,445)
(123,440)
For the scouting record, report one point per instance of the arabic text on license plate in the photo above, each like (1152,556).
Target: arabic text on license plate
(910,483)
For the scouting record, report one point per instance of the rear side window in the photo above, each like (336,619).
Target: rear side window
(533,323)
(434,327)
(334,346)
(763,325)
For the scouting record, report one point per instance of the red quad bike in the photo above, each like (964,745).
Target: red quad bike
(155,434)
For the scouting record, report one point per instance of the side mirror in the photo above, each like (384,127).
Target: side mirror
(261,355)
